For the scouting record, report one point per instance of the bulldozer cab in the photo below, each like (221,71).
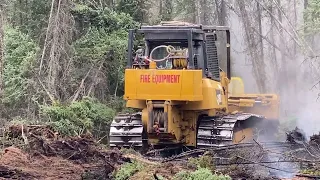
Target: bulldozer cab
(174,45)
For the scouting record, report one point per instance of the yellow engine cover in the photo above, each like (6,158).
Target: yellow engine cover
(155,84)
(236,86)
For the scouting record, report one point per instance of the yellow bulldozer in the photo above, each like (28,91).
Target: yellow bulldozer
(182,94)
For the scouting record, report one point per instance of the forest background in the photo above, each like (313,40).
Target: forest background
(62,61)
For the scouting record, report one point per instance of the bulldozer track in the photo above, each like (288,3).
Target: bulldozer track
(219,131)
(127,130)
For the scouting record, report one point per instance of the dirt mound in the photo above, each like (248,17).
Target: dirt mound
(49,156)
(16,164)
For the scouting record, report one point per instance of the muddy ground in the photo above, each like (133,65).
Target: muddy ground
(37,152)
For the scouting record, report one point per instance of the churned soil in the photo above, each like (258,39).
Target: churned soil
(48,156)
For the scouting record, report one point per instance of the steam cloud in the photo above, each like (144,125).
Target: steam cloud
(308,115)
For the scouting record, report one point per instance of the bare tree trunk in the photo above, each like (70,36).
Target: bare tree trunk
(274,52)
(1,49)
(20,13)
(306,3)
(160,8)
(26,21)
(204,12)
(194,12)
(47,37)
(258,64)
(310,38)
(294,75)
(295,24)
(221,12)
(283,75)
(197,12)
(55,62)
(260,30)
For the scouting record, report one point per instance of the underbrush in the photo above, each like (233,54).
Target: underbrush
(204,167)
(87,115)
(205,161)
(200,174)
(127,170)
(129,151)
(195,169)
(312,171)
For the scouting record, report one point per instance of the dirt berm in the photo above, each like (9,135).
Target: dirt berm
(44,155)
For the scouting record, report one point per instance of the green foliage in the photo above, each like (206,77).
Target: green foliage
(20,56)
(167,10)
(24,121)
(138,9)
(204,166)
(87,175)
(312,17)
(205,161)
(80,116)
(104,45)
(311,171)
(129,151)
(200,174)
(161,177)
(104,50)
(100,45)
(119,104)
(105,19)
(97,43)
(186,9)
(29,16)
(128,170)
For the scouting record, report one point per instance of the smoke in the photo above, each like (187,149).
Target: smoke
(308,116)
(300,97)
(292,81)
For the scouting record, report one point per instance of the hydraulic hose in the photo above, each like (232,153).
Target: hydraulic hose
(168,48)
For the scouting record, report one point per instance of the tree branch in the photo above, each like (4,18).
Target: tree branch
(47,35)
(81,85)
(282,26)
(46,90)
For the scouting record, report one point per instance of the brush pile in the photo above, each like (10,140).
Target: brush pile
(315,139)
(296,136)
(43,154)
